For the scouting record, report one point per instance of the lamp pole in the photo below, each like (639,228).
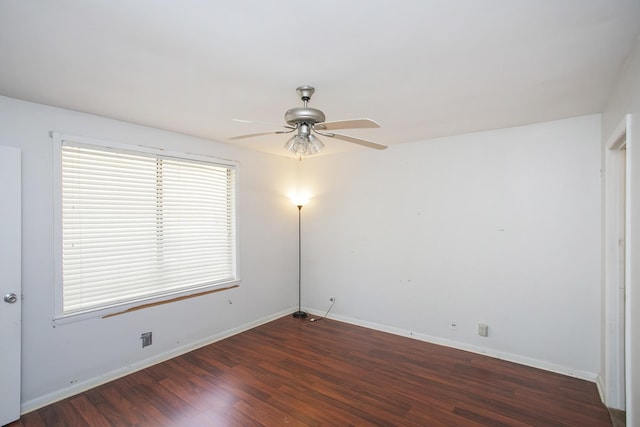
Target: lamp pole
(299,314)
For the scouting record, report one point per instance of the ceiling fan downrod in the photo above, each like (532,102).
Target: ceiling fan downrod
(305,93)
(308,115)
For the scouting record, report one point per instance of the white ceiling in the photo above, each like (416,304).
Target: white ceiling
(421,68)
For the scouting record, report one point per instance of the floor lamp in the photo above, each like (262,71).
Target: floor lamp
(299,314)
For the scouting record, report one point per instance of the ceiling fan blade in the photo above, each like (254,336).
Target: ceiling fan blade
(358,141)
(347,124)
(254,122)
(251,135)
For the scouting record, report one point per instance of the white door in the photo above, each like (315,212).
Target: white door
(10,283)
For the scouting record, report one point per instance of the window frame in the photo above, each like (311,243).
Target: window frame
(59,317)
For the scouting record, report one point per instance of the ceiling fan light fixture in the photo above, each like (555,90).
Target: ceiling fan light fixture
(304,143)
(296,145)
(315,145)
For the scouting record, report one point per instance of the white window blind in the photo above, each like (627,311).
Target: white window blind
(139,225)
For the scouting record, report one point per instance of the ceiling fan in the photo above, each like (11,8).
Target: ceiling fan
(307,122)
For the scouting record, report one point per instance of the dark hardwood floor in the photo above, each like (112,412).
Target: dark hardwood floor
(328,373)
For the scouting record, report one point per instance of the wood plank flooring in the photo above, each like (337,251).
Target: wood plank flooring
(327,373)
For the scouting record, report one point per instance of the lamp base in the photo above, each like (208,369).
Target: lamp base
(299,314)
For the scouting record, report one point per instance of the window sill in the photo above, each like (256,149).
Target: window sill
(120,309)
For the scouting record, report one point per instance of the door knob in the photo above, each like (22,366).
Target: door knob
(10,298)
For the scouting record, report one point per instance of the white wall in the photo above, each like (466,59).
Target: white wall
(625,99)
(62,360)
(499,227)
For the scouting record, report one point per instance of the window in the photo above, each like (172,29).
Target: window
(136,225)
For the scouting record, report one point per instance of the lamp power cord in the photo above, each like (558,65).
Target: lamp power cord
(316,319)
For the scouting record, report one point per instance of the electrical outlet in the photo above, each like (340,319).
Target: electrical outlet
(332,299)
(146,339)
(453,326)
(483,330)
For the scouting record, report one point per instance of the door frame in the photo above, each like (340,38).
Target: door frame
(616,264)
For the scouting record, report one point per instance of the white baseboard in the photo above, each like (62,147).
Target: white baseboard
(515,358)
(90,383)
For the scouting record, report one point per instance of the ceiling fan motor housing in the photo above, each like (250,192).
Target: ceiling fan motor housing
(295,116)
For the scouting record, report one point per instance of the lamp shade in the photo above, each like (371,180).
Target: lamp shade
(299,199)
